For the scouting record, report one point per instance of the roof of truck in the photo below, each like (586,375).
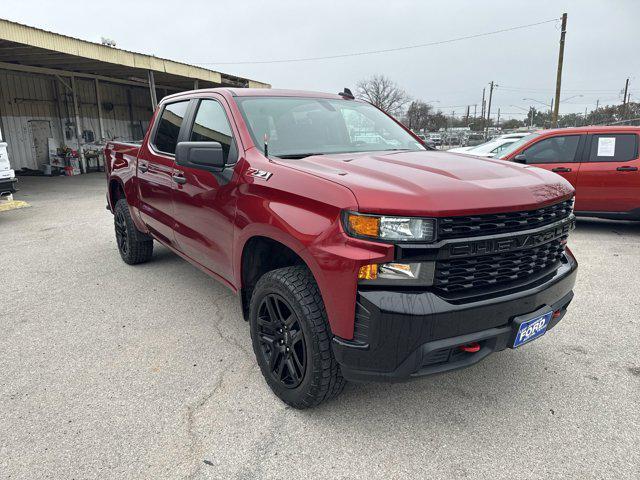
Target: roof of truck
(276,92)
(259,92)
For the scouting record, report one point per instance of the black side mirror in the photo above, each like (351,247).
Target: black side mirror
(203,155)
(521,158)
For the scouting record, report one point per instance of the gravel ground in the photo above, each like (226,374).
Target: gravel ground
(112,371)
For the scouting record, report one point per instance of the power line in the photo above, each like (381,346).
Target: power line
(568,90)
(386,50)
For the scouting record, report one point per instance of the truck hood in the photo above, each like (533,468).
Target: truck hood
(436,183)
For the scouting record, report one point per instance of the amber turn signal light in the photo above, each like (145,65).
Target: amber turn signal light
(368,272)
(368,226)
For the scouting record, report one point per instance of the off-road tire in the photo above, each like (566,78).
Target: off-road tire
(134,246)
(322,379)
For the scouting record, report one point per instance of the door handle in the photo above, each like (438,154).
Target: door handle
(178,178)
(143,167)
(561,169)
(627,168)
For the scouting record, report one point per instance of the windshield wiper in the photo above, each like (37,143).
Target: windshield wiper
(311,154)
(297,155)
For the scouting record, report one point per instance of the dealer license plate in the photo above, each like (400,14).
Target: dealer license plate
(532,329)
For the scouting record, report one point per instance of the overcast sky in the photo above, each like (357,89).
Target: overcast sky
(602,45)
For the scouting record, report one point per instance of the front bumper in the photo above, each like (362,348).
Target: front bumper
(402,335)
(8,185)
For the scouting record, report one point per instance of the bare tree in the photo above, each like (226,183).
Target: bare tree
(384,93)
(418,115)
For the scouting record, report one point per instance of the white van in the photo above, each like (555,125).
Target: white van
(8,178)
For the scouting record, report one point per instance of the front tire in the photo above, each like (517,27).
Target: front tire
(291,338)
(134,246)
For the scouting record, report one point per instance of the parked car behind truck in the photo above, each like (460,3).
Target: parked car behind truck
(602,163)
(8,178)
(351,261)
(492,148)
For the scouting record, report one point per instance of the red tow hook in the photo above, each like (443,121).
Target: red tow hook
(472,347)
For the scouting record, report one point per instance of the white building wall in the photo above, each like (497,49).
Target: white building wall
(25,97)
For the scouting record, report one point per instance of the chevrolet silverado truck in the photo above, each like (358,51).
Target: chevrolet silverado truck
(353,260)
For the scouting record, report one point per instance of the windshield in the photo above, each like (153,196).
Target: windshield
(298,127)
(516,145)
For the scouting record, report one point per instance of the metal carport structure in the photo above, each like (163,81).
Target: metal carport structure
(68,82)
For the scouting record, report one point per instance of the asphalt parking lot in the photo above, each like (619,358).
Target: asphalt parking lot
(113,371)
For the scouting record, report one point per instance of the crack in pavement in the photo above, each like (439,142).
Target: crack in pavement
(193,408)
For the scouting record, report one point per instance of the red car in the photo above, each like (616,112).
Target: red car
(600,162)
(356,252)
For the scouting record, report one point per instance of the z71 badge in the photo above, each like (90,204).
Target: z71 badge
(263,174)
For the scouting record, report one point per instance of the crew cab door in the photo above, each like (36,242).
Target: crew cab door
(558,153)
(204,199)
(609,178)
(156,163)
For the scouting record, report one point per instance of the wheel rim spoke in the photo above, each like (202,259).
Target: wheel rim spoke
(273,359)
(296,337)
(281,365)
(266,325)
(121,232)
(269,339)
(273,314)
(295,376)
(299,363)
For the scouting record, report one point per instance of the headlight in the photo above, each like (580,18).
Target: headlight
(402,229)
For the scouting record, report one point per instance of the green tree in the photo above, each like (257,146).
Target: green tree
(511,124)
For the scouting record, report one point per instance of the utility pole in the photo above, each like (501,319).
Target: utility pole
(498,121)
(482,112)
(551,109)
(624,99)
(596,113)
(563,31)
(486,126)
(475,111)
(466,121)
(585,116)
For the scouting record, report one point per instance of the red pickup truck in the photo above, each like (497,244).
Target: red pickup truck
(602,163)
(357,253)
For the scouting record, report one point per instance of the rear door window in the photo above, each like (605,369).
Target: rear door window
(558,149)
(168,129)
(613,148)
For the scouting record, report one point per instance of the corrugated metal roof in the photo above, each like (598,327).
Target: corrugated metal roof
(73,52)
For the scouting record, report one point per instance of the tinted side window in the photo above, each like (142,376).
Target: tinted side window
(613,148)
(169,125)
(211,125)
(560,149)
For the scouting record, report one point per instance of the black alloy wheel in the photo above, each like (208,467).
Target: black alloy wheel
(121,231)
(291,338)
(134,246)
(282,341)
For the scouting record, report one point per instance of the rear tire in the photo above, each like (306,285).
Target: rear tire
(134,246)
(292,339)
